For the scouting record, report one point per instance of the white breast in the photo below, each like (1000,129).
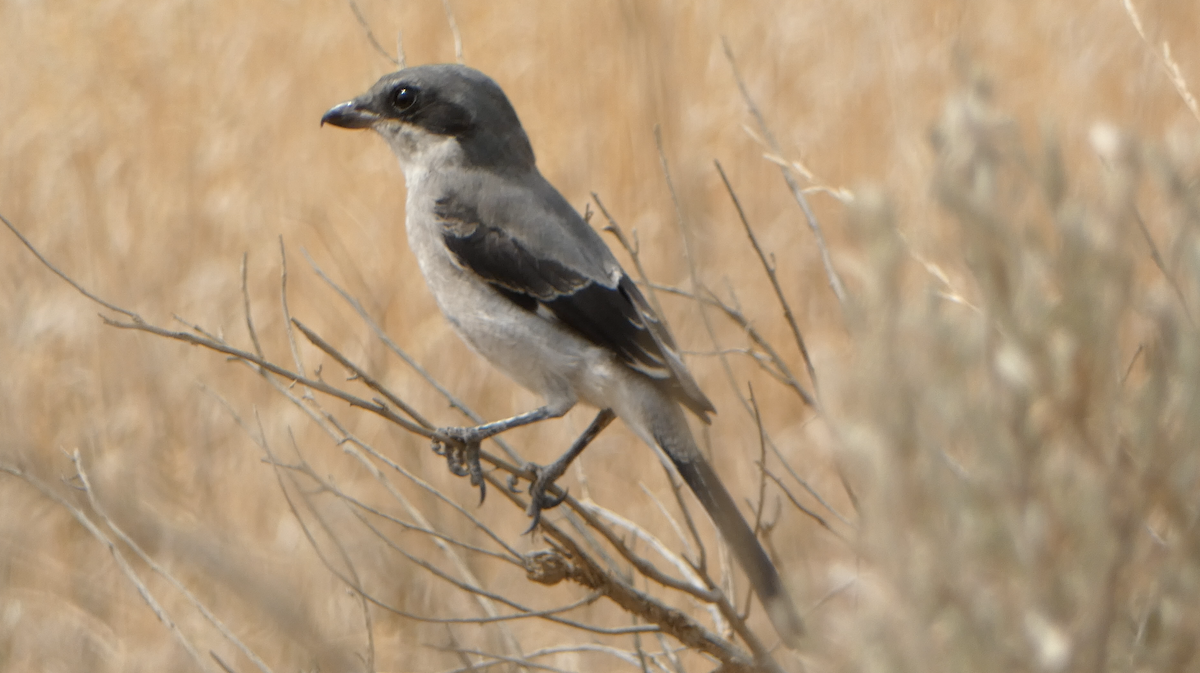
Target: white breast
(532,349)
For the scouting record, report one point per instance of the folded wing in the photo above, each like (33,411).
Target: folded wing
(606,309)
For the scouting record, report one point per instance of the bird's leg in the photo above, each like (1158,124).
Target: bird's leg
(548,474)
(460,446)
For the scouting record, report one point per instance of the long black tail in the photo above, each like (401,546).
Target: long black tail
(724,512)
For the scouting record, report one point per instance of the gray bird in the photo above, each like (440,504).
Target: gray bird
(531,287)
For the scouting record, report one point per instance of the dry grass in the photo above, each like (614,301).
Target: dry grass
(1020,432)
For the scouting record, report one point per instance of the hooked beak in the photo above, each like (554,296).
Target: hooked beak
(349,115)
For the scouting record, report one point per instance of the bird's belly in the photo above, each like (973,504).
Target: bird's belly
(518,343)
(537,355)
(536,351)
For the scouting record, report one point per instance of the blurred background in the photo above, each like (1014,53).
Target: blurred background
(147,146)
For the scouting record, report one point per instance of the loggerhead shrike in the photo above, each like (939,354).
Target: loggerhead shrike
(531,287)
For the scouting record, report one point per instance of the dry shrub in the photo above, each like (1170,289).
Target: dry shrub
(1025,459)
(1004,475)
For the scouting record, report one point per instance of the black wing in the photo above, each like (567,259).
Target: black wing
(612,314)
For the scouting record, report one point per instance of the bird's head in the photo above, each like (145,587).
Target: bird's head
(440,113)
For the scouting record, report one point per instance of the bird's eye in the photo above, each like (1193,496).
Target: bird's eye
(404,97)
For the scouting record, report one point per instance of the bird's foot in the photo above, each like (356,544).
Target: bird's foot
(538,498)
(460,446)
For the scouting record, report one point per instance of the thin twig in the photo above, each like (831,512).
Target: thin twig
(330,425)
(246,310)
(813,515)
(1162,267)
(346,437)
(515,561)
(221,347)
(70,281)
(122,562)
(701,563)
(1132,361)
(662,509)
(454,647)
(362,21)
(357,588)
(707,296)
(657,614)
(287,314)
(762,463)
(769,267)
(512,558)
(408,359)
(833,593)
(470,579)
(680,221)
(737,317)
(458,43)
(783,376)
(161,571)
(621,655)
(672,659)
(668,619)
(1168,63)
(835,282)
(360,374)
(685,237)
(615,229)
(641,653)
(497,659)
(525,613)
(341,548)
(224,666)
(685,568)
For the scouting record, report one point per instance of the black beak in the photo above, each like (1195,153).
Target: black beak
(349,115)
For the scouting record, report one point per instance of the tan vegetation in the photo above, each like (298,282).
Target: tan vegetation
(1005,474)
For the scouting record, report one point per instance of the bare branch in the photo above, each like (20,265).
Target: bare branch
(348,562)
(580,568)
(221,347)
(621,655)
(458,44)
(1168,63)
(815,517)
(246,310)
(70,281)
(287,314)
(224,666)
(122,562)
(662,509)
(1162,267)
(333,488)
(413,364)
(762,463)
(770,269)
(615,229)
(583,568)
(835,282)
(360,374)
(706,296)
(362,21)
(161,571)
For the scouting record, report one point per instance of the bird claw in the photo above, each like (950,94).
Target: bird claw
(460,446)
(512,483)
(539,500)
